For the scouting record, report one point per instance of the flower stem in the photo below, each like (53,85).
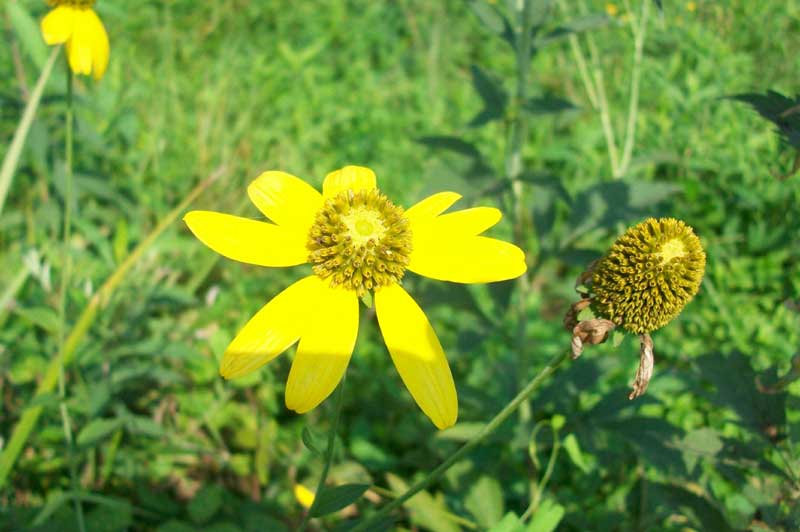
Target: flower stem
(328,456)
(66,265)
(488,429)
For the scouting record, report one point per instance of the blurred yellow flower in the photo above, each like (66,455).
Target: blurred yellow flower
(303,495)
(612,10)
(357,242)
(75,23)
(691,7)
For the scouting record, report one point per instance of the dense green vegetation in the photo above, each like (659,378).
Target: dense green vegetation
(157,440)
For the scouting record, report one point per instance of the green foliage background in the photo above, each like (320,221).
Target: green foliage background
(163,443)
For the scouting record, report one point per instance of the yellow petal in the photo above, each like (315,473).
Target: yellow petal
(286,200)
(475,259)
(79,46)
(325,347)
(271,331)
(417,354)
(100,46)
(249,241)
(303,495)
(431,207)
(353,178)
(58,24)
(467,222)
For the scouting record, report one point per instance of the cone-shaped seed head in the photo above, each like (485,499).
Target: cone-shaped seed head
(649,275)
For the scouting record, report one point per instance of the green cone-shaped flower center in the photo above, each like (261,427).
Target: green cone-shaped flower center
(360,240)
(649,275)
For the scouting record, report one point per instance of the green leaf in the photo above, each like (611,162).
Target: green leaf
(701,443)
(548,104)
(547,517)
(425,510)
(493,95)
(28,33)
(509,523)
(43,317)
(489,16)
(97,430)
(485,501)
(205,504)
(573,449)
(334,499)
(454,144)
(311,441)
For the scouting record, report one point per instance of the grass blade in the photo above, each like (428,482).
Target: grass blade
(15,149)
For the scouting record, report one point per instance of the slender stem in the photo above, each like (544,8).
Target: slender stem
(514,163)
(476,440)
(328,456)
(537,495)
(66,265)
(639,30)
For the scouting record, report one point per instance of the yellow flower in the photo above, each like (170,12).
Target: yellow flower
(691,7)
(612,9)
(303,495)
(357,241)
(75,23)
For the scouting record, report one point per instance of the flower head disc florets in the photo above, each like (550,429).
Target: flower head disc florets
(649,275)
(360,240)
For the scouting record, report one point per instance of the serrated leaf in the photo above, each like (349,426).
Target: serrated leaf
(333,499)
(485,501)
(546,517)
(493,95)
(586,314)
(96,430)
(782,111)
(548,104)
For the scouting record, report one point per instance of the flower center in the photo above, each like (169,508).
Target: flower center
(71,3)
(670,250)
(360,240)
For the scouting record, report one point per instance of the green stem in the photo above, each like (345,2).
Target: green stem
(515,167)
(639,31)
(62,297)
(328,456)
(476,440)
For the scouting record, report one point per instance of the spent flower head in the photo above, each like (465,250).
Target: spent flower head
(649,274)
(642,283)
(76,25)
(358,242)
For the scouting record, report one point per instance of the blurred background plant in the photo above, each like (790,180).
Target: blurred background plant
(616,115)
